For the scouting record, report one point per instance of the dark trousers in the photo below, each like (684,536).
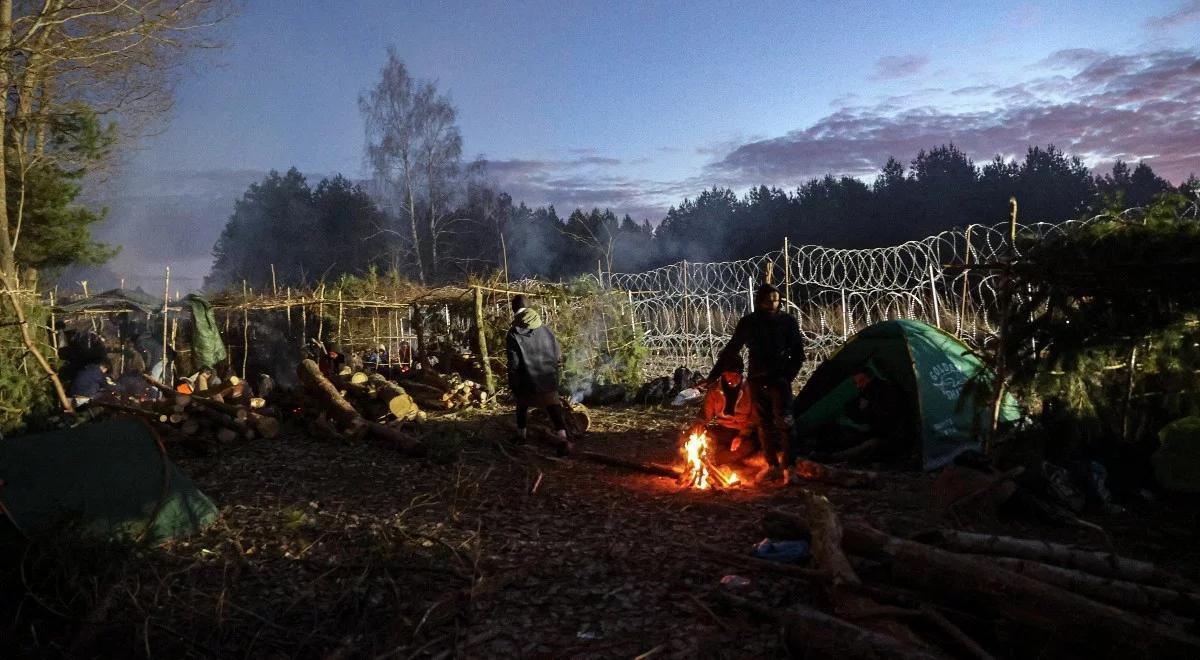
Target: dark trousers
(554,410)
(772,401)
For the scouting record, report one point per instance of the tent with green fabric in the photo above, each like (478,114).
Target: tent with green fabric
(107,480)
(937,375)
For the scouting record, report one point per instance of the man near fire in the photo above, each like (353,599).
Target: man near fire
(776,350)
(533,357)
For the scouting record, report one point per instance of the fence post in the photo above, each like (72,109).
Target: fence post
(687,343)
(845,316)
(966,275)
(489,381)
(937,317)
(787,273)
(168,378)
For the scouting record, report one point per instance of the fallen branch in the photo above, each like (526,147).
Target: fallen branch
(1050,609)
(809,633)
(1128,595)
(1097,563)
(612,461)
(813,471)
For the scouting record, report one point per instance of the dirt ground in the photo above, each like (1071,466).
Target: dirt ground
(330,550)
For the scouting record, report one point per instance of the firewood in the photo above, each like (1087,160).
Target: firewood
(407,444)
(227,436)
(813,634)
(826,540)
(613,461)
(813,471)
(331,399)
(267,426)
(1103,564)
(358,378)
(190,427)
(1066,615)
(176,418)
(1127,595)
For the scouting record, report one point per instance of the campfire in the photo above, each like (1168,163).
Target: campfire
(699,472)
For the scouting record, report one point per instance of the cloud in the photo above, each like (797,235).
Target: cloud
(1097,105)
(586,183)
(899,66)
(1189,12)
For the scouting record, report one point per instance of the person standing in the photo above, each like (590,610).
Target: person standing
(776,350)
(533,357)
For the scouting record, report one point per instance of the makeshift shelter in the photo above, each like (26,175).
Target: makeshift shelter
(939,379)
(108,480)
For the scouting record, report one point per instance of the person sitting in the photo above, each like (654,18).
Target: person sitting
(133,382)
(332,360)
(91,381)
(727,413)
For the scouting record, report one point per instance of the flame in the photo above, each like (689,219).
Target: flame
(695,450)
(696,472)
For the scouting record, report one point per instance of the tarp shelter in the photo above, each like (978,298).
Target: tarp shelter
(115,300)
(109,480)
(932,369)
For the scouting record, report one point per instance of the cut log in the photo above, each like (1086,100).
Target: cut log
(399,402)
(1127,595)
(267,426)
(1103,564)
(613,461)
(813,471)
(407,444)
(331,399)
(1104,629)
(190,427)
(826,540)
(226,436)
(809,633)
(358,378)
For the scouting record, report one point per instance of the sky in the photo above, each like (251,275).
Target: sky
(636,105)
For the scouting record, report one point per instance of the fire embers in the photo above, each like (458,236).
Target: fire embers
(698,471)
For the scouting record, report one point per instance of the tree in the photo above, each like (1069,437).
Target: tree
(414,149)
(56,56)
(1052,187)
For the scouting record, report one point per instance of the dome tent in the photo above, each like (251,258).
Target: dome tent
(938,377)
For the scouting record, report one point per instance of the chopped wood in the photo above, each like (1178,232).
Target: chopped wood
(826,540)
(227,436)
(1097,563)
(331,399)
(1066,615)
(846,478)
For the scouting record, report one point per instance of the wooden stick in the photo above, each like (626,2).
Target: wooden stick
(612,461)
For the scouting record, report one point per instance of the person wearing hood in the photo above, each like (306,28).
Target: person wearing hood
(533,357)
(776,351)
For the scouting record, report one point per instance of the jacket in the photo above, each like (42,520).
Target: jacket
(775,343)
(533,357)
(90,381)
(742,419)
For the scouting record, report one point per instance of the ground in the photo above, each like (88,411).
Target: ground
(327,549)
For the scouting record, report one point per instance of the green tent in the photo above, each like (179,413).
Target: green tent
(932,369)
(110,480)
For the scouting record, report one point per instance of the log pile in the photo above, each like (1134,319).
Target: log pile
(433,391)
(326,403)
(199,417)
(955,594)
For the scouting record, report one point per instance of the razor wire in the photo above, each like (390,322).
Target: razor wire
(687,311)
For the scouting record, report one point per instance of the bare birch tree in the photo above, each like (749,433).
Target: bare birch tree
(414,149)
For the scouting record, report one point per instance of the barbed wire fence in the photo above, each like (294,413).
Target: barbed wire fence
(687,310)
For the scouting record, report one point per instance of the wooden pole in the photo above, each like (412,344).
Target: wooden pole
(845,316)
(321,313)
(489,380)
(787,274)
(245,329)
(504,252)
(53,322)
(166,373)
(966,275)
(274,286)
(687,343)
(937,317)
(341,310)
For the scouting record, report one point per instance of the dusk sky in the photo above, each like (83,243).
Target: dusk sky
(636,105)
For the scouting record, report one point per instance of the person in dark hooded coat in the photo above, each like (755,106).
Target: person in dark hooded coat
(533,357)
